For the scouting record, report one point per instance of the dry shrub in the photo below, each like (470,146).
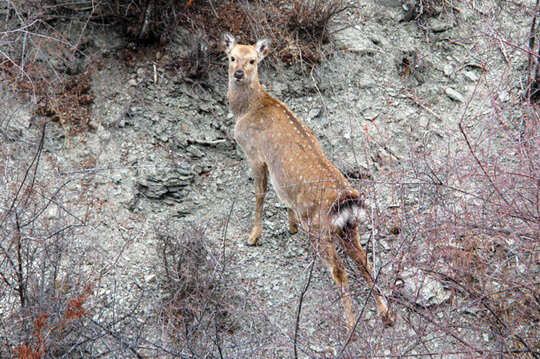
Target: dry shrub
(59,82)
(52,334)
(71,105)
(43,296)
(532,91)
(474,226)
(196,301)
(67,102)
(298,28)
(41,64)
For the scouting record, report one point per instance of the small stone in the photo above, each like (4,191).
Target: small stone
(423,289)
(454,95)
(116,178)
(370,115)
(132,82)
(438,25)
(52,212)
(471,76)
(314,113)
(448,70)
(351,39)
(504,96)
(149,278)
(103,134)
(195,151)
(365,81)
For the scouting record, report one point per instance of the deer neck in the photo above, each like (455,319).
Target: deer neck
(242,98)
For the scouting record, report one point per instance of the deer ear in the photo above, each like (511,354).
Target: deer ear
(263,48)
(227,43)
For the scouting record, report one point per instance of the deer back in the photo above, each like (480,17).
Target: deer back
(300,173)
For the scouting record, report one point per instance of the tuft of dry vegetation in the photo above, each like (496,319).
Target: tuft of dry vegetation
(196,301)
(40,61)
(45,298)
(470,219)
(532,92)
(298,29)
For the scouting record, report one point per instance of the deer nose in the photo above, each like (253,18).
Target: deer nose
(239,74)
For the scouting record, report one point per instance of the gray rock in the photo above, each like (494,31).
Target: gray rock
(352,39)
(448,70)
(164,184)
(423,289)
(439,25)
(471,76)
(197,153)
(370,115)
(454,95)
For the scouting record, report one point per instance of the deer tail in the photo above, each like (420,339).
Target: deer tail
(347,209)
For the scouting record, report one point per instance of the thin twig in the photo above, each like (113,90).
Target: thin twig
(417,101)
(506,42)
(501,49)
(360,314)
(35,160)
(299,307)
(495,187)
(532,38)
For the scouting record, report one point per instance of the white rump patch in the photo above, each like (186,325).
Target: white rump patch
(349,215)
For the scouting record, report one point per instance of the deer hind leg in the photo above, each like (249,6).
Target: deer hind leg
(260,175)
(327,251)
(354,250)
(293,221)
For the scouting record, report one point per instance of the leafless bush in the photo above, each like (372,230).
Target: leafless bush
(197,301)
(43,53)
(298,29)
(464,229)
(466,222)
(52,300)
(44,295)
(42,62)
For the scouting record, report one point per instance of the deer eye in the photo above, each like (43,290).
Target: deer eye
(232,59)
(252,62)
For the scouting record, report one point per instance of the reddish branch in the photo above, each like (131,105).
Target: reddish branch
(299,308)
(482,166)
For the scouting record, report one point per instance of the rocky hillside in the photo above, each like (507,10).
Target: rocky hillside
(137,222)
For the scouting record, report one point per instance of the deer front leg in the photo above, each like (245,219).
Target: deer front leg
(261,180)
(293,221)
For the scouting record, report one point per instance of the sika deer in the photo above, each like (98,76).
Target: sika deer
(280,146)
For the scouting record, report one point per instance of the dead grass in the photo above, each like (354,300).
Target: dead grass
(195,307)
(298,29)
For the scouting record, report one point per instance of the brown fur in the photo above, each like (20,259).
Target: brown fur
(281,147)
